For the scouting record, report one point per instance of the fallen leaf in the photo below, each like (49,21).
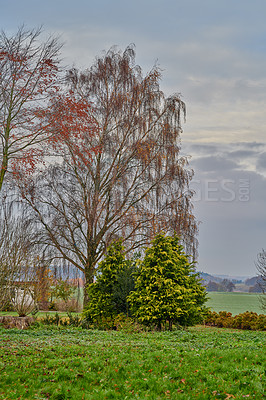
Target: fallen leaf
(229,396)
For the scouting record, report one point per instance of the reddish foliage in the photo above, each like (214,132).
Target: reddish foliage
(64,122)
(28,77)
(71,124)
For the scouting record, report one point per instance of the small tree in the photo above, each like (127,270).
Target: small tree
(114,281)
(15,249)
(63,290)
(44,282)
(24,276)
(167,288)
(23,293)
(227,285)
(213,287)
(18,283)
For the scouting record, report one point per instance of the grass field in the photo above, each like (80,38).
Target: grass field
(70,363)
(235,302)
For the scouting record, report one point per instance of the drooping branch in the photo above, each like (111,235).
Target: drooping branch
(134,184)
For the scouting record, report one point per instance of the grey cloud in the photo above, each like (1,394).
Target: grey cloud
(214,53)
(261,163)
(250,144)
(203,148)
(212,163)
(212,88)
(218,157)
(232,228)
(242,154)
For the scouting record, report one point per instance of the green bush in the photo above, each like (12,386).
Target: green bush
(114,281)
(63,290)
(119,322)
(167,289)
(50,319)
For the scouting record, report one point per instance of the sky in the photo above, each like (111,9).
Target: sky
(214,54)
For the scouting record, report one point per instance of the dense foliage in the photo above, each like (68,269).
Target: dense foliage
(167,288)
(114,281)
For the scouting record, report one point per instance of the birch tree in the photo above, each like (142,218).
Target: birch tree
(135,182)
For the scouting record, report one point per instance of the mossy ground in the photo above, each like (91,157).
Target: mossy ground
(71,363)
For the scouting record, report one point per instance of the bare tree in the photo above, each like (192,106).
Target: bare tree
(261,268)
(23,273)
(14,252)
(28,76)
(8,263)
(135,185)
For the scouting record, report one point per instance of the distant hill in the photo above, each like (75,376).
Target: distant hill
(253,281)
(254,284)
(207,278)
(239,278)
(213,282)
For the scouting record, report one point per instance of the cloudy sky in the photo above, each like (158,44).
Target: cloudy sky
(214,54)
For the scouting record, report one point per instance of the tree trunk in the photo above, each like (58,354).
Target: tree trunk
(43,283)
(3,169)
(89,275)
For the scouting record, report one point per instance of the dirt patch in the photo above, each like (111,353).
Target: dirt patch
(10,322)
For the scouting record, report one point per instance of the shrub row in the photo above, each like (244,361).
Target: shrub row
(118,323)
(223,319)
(56,319)
(247,320)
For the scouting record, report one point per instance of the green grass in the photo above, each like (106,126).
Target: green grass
(70,363)
(235,302)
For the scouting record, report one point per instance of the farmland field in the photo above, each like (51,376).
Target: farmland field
(234,302)
(71,363)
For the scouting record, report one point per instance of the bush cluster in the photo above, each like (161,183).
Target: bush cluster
(56,319)
(118,323)
(159,291)
(247,320)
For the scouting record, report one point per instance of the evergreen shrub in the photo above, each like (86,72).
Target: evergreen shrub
(167,289)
